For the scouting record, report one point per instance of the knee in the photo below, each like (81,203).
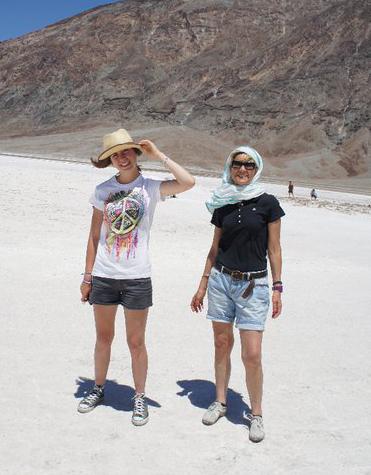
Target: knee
(251,359)
(136,344)
(105,338)
(223,343)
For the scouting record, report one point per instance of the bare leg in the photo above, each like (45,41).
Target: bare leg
(223,343)
(251,342)
(135,322)
(105,329)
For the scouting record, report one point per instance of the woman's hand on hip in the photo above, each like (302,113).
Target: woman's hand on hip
(85,291)
(197,303)
(276,304)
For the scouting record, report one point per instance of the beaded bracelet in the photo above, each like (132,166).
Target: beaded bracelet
(86,282)
(277,287)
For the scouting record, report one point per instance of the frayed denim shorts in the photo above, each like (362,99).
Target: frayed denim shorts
(227,305)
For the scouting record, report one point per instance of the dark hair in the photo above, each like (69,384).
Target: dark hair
(101,163)
(106,162)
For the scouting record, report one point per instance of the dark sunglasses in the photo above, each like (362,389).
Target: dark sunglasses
(248,165)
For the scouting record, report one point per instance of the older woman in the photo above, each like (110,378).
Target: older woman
(247,225)
(117,269)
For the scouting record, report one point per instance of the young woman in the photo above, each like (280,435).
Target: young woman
(117,270)
(247,225)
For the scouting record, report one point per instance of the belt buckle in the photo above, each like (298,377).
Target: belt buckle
(237,275)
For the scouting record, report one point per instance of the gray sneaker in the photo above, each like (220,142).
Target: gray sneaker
(91,401)
(214,412)
(140,411)
(256,433)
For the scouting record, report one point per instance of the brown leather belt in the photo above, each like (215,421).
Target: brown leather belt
(238,275)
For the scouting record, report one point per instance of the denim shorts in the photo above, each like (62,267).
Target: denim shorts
(133,294)
(227,305)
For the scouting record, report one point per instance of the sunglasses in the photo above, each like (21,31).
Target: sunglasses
(248,165)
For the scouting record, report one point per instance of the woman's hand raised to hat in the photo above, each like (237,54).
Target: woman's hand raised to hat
(150,149)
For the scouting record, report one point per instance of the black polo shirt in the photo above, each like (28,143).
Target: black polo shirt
(244,241)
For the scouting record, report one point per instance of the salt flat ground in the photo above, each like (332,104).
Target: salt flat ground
(316,355)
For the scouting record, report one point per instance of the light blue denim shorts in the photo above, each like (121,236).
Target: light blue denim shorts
(227,305)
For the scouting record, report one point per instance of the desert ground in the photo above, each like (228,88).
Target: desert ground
(204,154)
(317,355)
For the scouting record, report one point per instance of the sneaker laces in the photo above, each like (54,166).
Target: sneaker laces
(216,405)
(259,421)
(139,405)
(213,406)
(94,394)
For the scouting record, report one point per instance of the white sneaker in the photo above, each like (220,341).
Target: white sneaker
(140,411)
(91,401)
(214,412)
(256,433)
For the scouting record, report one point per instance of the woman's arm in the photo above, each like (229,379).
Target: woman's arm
(91,252)
(198,298)
(183,179)
(275,260)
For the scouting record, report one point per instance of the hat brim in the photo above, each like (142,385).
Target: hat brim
(117,148)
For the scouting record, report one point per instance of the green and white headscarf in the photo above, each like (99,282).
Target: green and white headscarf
(229,193)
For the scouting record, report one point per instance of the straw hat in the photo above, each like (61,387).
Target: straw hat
(116,141)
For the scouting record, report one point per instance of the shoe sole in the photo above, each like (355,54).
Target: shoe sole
(140,422)
(256,441)
(89,409)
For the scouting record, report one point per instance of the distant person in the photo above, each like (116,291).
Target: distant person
(247,224)
(313,194)
(118,270)
(291,189)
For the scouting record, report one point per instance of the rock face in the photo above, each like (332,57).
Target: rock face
(291,77)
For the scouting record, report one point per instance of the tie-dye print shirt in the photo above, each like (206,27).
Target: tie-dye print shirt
(128,211)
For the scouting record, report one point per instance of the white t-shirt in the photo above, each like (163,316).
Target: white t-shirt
(128,211)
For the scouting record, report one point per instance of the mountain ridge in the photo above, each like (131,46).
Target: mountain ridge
(289,77)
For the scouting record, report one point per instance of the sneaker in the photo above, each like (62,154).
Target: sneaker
(256,429)
(140,411)
(214,412)
(95,397)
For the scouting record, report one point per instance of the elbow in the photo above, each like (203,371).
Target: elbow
(93,241)
(274,251)
(212,255)
(188,184)
(191,182)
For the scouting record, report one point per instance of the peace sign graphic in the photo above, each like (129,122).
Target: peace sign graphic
(124,214)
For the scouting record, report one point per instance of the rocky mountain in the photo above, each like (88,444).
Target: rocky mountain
(290,77)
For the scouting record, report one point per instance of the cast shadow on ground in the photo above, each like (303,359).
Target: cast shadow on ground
(117,396)
(201,393)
